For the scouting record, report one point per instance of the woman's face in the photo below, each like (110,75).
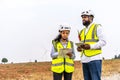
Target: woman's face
(65,34)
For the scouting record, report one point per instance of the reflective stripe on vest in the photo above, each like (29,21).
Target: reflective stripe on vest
(90,38)
(58,64)
(93,40)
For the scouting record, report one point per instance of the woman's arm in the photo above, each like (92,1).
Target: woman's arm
(53,53)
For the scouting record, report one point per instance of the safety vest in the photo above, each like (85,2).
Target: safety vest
(90,38)
(60,64)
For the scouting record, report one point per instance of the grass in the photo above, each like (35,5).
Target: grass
(41,70)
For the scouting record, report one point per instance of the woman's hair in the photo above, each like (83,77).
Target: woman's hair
(58,38)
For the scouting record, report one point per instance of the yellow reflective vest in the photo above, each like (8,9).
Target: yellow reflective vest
(90,38)
(62,64)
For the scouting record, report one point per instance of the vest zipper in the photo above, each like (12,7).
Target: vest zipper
(84,42)
(64,58)
(64,64)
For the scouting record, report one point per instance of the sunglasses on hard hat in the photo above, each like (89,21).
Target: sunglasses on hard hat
(85,12)
(66,27)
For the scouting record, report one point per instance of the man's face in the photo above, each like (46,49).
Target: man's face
(85,20)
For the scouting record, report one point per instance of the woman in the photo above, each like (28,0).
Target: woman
(65,64)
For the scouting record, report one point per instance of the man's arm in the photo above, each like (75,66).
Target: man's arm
(101,36)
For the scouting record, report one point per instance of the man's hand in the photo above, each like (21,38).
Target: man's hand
(85,46)
(79,49)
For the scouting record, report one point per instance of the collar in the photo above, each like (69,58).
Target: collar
(64,43)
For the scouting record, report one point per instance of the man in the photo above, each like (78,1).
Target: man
(93,38)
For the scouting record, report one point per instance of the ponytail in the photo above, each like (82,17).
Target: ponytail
(58,38)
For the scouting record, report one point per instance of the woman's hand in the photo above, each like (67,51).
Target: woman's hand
(69,54)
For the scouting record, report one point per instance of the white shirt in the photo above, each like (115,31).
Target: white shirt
(99,44)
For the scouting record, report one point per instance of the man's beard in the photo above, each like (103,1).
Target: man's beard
(86,23)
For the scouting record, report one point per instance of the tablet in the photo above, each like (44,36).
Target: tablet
(79,44)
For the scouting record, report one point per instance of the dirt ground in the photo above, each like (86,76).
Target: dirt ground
(41,71)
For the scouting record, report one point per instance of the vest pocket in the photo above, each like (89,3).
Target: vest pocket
(69,65)
(58,65)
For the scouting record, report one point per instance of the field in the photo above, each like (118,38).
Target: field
(41,71)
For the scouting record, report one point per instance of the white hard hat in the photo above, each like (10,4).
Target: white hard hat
(89,13)
(64,27)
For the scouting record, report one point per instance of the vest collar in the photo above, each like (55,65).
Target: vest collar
(65,43)
(87,29)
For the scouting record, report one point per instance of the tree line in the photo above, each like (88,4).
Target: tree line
(5,60)
(117,56)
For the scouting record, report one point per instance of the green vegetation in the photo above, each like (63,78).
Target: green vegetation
(117,56)
(4,60)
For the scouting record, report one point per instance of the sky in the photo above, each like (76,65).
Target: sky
(27,27)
